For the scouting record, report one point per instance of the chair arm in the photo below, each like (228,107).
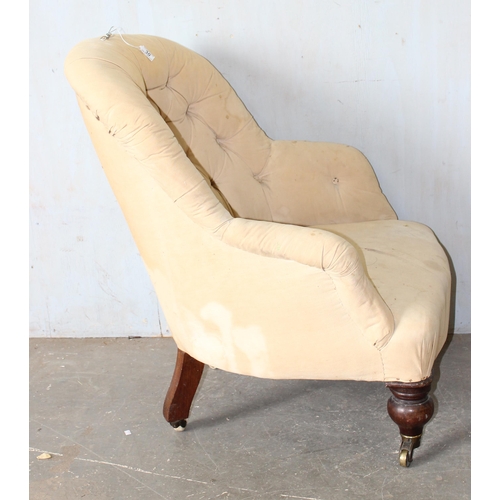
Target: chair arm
(328,252)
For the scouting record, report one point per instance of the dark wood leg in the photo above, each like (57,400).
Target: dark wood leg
(410,407)
(187,375)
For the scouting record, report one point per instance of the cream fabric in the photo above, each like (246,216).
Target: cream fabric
(270,258)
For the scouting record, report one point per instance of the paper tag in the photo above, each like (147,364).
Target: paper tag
(146,52)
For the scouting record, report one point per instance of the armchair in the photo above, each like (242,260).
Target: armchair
(274,259)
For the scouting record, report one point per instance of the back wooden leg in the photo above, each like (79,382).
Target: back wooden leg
(185,381)
(410,407)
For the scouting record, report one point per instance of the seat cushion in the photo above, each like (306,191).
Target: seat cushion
(410,270)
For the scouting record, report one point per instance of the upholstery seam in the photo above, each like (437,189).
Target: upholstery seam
(264,192)
(267,159)
(208,85)
(267,202)
(249,121)
(245,163)
(383,364)
(179,94)
(349,314)
(190,189)
(227,223)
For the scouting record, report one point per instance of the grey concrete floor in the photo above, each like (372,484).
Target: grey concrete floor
(95,407)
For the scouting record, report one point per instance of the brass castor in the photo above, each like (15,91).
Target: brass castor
(408,444)
(404,458)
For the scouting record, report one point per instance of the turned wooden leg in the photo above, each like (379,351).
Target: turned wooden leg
(187,375)
(410,407)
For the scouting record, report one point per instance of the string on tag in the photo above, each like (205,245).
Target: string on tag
(143,49)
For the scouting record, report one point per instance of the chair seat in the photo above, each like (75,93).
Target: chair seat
(410,270)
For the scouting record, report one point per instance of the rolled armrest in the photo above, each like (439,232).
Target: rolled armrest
(328,252)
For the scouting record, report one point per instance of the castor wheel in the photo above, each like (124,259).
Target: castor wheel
(404,458)
(408,444)
(178,425)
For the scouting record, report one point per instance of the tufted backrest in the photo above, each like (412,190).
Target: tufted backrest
(179,117)
(208,120)
(214,128)
(216,131)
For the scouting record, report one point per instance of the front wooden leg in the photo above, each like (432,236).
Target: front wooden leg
(185,381)
(410,407)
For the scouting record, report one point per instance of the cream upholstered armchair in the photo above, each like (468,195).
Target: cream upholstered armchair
(274,259)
